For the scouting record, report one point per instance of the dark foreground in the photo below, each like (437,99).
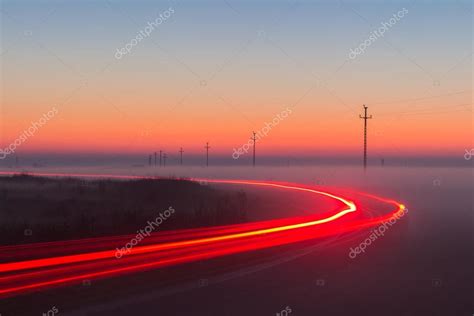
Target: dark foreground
(422,266)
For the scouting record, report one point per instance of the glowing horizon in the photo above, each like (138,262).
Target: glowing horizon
(220,79)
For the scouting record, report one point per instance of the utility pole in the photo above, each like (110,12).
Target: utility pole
(155,158)
(164,159)
(254,138)
(207,154)
(160,157)
(149,160)
(365,117)
(181,151)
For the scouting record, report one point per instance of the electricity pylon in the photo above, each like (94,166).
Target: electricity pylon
(181,151)
(365,117)
(207,154)
(254,138)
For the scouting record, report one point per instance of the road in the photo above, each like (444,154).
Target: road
(75,261)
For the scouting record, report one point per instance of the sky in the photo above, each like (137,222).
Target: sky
(214,71)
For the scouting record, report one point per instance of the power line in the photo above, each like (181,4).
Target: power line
(425,98)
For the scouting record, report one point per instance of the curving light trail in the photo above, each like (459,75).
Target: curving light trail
(92,258)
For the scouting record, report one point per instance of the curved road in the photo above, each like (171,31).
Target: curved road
(92,258)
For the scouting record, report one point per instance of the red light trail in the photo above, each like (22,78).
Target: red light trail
(68,262)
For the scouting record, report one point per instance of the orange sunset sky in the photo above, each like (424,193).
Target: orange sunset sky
(210,74)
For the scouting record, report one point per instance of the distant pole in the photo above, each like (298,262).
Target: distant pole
(161,157)
(149,160)
(207,154)
(254,138)
(365,117)
(155,158)
(164,159)
(181,151)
